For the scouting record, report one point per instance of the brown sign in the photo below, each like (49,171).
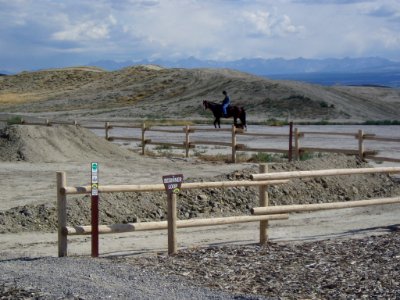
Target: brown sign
(173,183)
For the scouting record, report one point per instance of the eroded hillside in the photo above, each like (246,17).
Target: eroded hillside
(144,92)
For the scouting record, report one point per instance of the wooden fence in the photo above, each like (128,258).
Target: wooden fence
(64,231)
(358,150)
(263,213)
(294,139)
(264,209)
(188,143)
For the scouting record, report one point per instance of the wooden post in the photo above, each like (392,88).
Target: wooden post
(361,144)
(61,214)
(290,141)
(106,127)
(187,141)
(75,123)
(297,143)
(143,140)
(263,194)
(172,245)
(233,144)
(47,122)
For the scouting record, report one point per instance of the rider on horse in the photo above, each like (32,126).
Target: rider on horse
(225,103)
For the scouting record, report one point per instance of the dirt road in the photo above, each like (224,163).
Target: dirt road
(344,223)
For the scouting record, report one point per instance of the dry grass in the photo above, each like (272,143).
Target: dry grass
(18,98)
(143,91)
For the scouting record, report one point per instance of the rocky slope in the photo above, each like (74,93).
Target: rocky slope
(137,207)
(149,92)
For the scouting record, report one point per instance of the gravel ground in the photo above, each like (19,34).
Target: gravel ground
(367,268)
(331,269)
(86,278)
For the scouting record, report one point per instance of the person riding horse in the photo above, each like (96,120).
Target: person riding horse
(225,103)
(237,112)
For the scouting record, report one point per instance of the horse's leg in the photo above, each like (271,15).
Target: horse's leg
(215,122)
(243,120)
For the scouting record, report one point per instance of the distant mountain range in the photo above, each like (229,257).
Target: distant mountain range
(366,71)
(346,71)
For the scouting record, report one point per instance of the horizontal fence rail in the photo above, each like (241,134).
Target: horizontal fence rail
(119,228)
(322,206)
(319,173)
(160,187)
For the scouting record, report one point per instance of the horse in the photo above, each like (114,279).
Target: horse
(232,111)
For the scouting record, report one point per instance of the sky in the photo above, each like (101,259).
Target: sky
(38,34)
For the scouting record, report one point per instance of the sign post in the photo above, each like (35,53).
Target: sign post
(95,208)
(172,185)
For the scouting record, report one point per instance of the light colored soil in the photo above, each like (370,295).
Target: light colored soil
(144,92)
(31,155)
(28,195)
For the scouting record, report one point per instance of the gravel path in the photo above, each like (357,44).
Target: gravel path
(367,268)
(86,278)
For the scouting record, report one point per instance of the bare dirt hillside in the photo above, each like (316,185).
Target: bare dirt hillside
(151,92)
(55,144)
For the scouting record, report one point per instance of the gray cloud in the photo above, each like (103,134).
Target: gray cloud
(78,31)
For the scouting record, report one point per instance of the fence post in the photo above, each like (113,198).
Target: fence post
(62,214)
(233,144)
(106,127)
(187,141)
(361,143)
(172,245)
(143,140)
(263,195)
(290,141)
(297,143)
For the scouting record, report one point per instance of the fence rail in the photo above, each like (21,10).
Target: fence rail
(63,230)
(263,214)
(294,138)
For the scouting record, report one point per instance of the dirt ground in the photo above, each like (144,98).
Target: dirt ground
(30,156)
(334,254)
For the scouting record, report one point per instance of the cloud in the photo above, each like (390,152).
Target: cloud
(75,30)
(264,23)
(329,2)
(83,31)
(388,11)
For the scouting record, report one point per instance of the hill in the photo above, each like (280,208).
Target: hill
(149,92)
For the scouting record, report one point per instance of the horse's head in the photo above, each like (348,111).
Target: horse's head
(205,104)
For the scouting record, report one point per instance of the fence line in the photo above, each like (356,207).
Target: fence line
(294,137)
(263,214)
(63,230)
(265,209)
(360,150)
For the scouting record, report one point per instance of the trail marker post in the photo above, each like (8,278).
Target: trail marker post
(172,185)
(95,208)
